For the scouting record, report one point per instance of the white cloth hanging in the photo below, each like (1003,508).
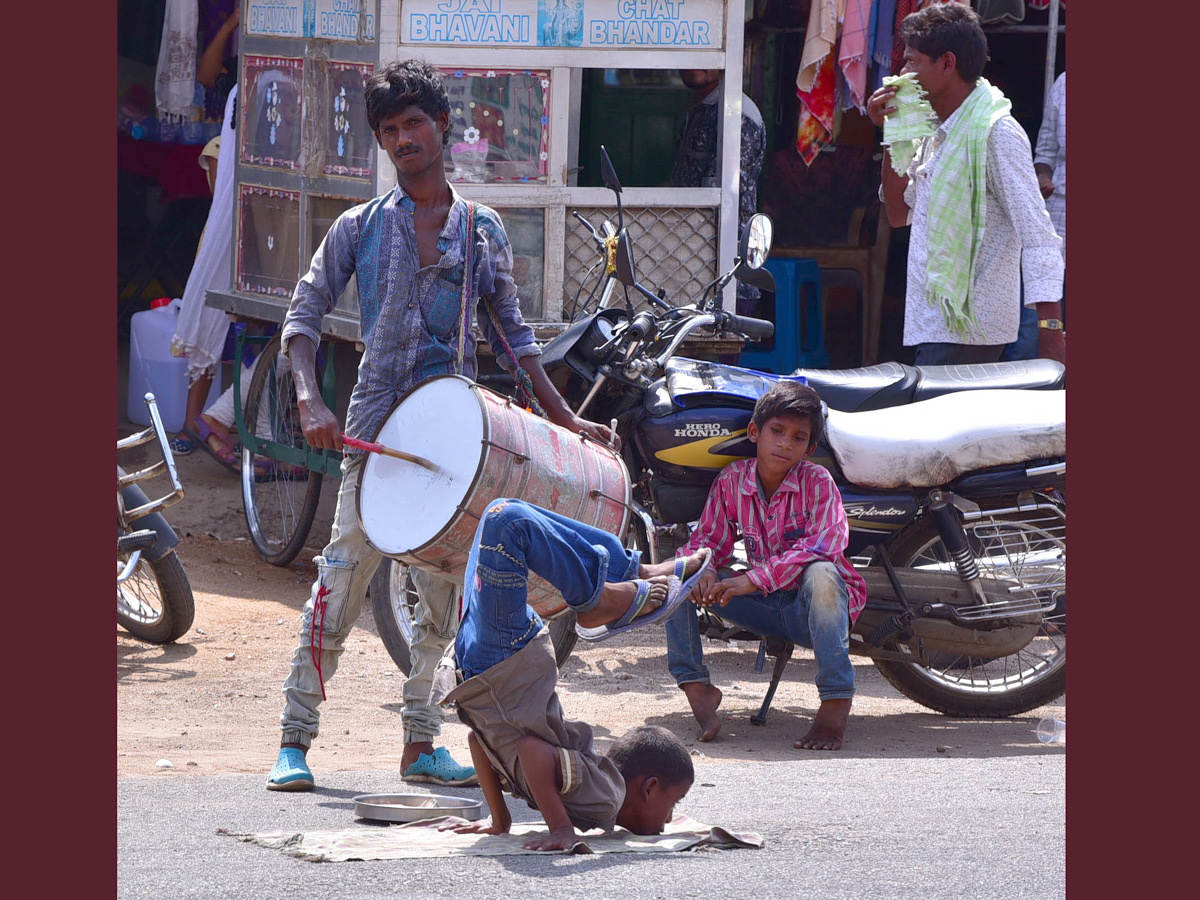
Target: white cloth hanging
(175,81)
(200,332)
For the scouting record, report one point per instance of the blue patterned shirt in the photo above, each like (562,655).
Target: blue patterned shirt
(409,316)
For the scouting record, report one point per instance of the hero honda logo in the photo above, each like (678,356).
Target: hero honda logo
(703,430)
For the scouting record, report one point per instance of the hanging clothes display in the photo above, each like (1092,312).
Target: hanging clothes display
(883,28)
(852,51)
(1000,12)
(175,80)
(819,39)
(816,126)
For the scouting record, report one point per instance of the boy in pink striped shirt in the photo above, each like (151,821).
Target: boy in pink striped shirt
(799,585)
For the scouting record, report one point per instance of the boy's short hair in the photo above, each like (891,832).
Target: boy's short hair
(399,85)
(790,398)
(948,28)
(651,750)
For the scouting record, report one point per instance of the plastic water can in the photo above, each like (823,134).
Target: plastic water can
(153,368)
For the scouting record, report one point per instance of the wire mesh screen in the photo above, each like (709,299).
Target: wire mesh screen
(674,249)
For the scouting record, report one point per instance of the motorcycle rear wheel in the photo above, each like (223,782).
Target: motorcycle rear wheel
(1031,549)
(155,603)
(281,502)
(393,603)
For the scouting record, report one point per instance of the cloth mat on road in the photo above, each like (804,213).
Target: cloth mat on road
(422,839)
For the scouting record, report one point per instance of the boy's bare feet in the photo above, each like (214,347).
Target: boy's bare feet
(704,699)
(667,567)
(828,726)
(615,598)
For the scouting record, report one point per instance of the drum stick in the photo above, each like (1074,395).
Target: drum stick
(372,447)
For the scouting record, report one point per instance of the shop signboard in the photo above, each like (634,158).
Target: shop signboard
(586,24)
(330,20)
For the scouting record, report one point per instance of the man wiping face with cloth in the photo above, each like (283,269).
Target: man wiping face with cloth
(964,179)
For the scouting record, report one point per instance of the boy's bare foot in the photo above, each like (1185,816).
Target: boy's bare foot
(667,567)
(704,699)
(828,726)
(615,598)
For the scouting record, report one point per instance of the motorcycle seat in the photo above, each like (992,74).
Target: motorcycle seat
(1024,374)
(869,387)
(932,442)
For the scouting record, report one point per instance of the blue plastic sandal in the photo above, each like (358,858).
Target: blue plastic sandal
(290,772)
(440,768)
(181,445)
(678,589)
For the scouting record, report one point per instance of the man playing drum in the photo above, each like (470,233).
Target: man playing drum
(410,252)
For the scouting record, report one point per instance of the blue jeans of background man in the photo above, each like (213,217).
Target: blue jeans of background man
(515,538)
(814,614)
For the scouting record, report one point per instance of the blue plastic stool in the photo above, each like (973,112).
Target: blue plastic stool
(799,318)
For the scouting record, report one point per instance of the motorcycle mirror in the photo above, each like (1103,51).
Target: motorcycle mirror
(607,173)
(755,242)
(759,278)
(624,260)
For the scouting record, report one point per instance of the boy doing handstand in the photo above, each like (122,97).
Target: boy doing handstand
(799,586)
(507,675)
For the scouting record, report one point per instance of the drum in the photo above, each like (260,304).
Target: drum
(485,447)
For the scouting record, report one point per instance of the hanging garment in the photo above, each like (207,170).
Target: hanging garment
(819,39)
(200,331)
(883,27)
(816,126)
(903,9)
(997,12)
(852,51)
(175,81)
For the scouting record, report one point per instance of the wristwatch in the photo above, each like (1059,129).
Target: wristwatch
(1051,324)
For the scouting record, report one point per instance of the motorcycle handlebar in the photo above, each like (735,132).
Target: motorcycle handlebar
(757,329)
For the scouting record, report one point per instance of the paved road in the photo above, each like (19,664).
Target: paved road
(960,828)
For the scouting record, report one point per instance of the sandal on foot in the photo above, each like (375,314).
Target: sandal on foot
(181,444)
(677,591)
(290,772)
(224,453)
(440,768)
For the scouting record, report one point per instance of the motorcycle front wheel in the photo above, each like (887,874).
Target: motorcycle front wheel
(279,500)
(1029,548)
(393,603)
(155,603)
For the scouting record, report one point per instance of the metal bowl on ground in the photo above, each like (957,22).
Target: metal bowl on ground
(411,807)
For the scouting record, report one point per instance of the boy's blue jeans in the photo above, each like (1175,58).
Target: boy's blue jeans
(513,539)
(815,614)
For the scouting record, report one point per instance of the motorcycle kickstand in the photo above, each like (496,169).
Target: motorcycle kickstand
(781,660)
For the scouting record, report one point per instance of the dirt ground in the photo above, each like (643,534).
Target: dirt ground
(209,704)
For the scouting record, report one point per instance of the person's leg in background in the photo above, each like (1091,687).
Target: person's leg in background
(1026,344)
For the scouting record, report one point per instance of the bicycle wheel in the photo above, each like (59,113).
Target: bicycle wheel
(279,499)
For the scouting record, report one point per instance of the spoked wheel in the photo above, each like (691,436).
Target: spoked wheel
(1028,548)
(394,600)
(279,499)
(155,603)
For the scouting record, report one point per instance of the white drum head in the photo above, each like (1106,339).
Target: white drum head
(403,506)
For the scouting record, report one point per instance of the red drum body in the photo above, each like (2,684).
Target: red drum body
(485,447)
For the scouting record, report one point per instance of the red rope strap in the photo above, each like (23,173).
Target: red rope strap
(319,604)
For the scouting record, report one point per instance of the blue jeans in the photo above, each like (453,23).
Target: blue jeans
(513,539)
(815,614)
(1026,344)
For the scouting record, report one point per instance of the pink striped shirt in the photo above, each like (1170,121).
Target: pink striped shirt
(803,523)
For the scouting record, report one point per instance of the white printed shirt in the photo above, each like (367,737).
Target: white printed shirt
(1018,240)
(1051,150)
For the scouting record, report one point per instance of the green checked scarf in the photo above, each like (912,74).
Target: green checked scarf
(912,122)
(957,202)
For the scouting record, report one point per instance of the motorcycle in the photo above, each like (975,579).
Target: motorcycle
(953,480)
(154,597)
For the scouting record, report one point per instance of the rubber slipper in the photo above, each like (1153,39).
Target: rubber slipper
(225,456)
(440,768)
(181,445)
(290,772)
(677,592)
